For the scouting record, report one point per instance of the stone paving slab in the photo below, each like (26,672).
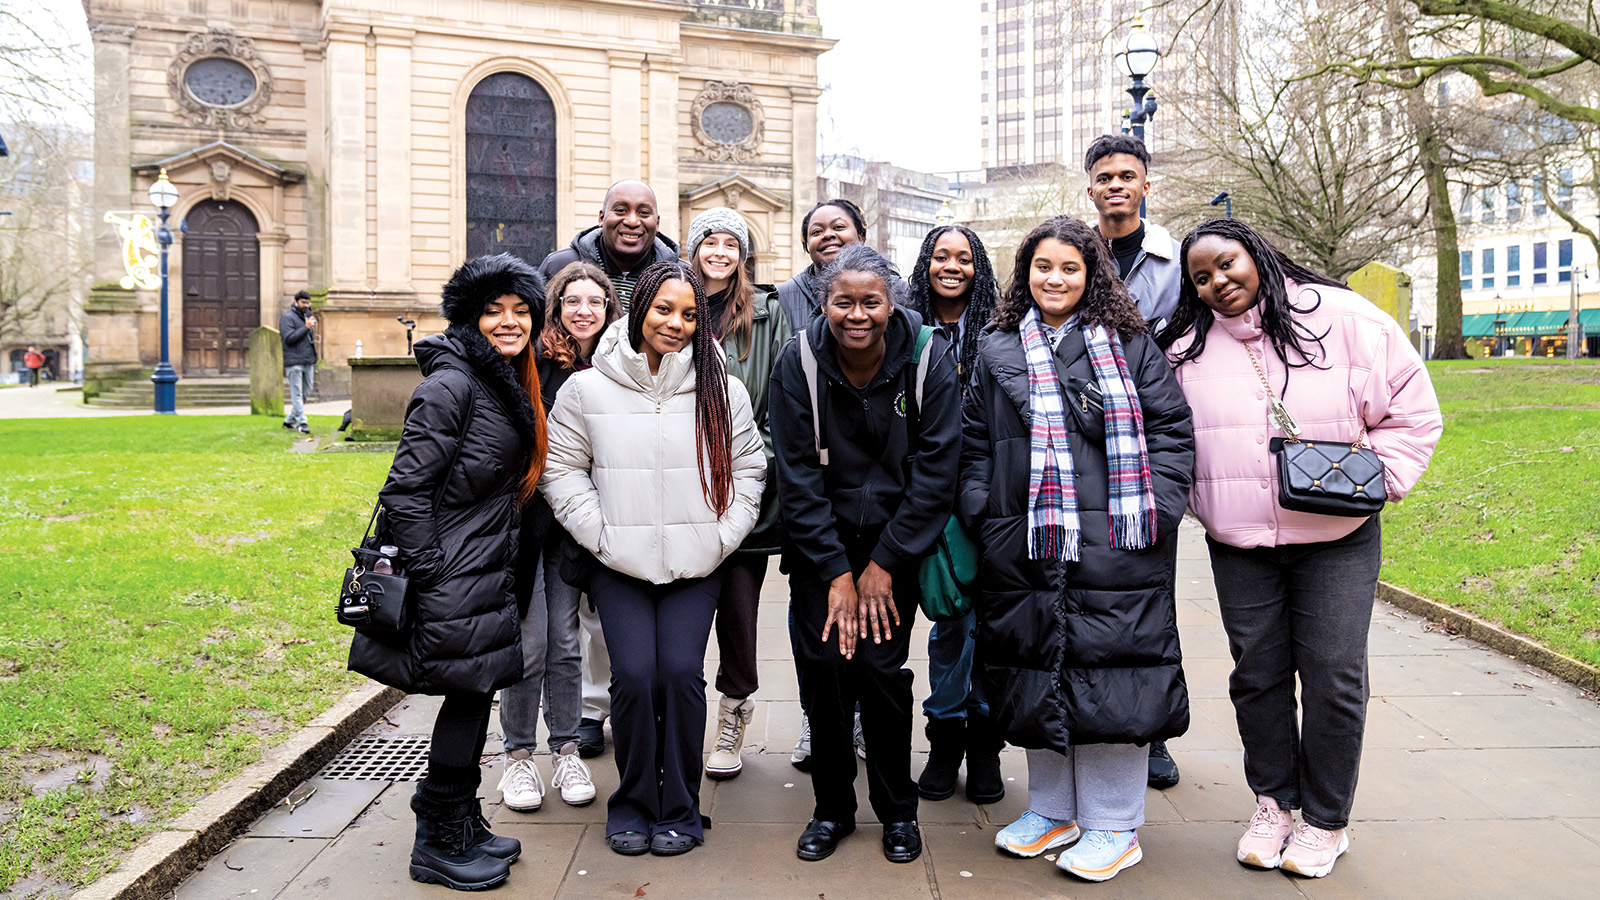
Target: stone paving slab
(1481,778)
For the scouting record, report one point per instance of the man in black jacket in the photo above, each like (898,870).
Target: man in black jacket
(299,358)
(623,244)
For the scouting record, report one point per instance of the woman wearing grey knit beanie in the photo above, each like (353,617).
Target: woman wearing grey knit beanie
(746,318)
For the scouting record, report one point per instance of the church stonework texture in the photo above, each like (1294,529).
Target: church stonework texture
(362,149)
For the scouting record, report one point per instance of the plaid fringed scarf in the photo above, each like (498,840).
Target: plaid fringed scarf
(1053,527)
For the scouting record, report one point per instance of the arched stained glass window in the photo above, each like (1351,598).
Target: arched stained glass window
(511,168)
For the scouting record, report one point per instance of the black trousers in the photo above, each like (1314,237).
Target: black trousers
(459,733)
(742,574)
(831,686)
(1301,610)
(657,636)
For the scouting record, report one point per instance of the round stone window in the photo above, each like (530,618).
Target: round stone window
(219,81)
(727,122)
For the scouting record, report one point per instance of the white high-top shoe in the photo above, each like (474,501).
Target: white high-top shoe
(733,717)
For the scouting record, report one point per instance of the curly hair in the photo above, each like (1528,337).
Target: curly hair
(555,341)
(713,418)
(1104,302)
(861,258)
(981,293)
(1277,310)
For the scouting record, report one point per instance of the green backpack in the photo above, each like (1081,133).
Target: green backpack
(946,575)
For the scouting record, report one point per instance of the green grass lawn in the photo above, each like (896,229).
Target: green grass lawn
(1506,523)
(166,593)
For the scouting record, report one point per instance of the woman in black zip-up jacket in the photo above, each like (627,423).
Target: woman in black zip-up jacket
(855,530)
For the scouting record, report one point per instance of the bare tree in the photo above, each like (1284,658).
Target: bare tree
(44,244)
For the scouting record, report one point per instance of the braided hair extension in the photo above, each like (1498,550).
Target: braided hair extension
(1277,311)
(981,294)
(713,418)
(1104,302)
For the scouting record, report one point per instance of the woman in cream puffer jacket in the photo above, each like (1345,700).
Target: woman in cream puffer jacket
(656,467)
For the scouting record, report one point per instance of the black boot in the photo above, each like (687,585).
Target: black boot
(493,844)
(446,850)
(946,746)
(1163,771)
(984,743)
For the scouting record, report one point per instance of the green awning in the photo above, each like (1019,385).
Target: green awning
(1547,323)
(1478,325)
(1589,318)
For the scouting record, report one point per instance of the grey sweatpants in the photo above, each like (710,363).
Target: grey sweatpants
(1101,786)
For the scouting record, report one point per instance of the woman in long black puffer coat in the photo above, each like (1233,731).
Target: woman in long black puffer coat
(1077,638)
(471,453)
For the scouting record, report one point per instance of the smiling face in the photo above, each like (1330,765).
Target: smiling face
(828,231)
(507,321)
(715,259)
(669,323)
(1223,273)
(629,220)
(950,269)
(583,313)
(858,310)
(1056,278)
(1117,184)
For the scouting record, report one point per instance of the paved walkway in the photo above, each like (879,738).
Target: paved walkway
(1481,779)
(66,402)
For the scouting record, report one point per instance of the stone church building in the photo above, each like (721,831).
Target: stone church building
(361,149)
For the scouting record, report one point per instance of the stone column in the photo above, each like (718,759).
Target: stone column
(627,151)
(113,182)
(394,157)
(804,160)
(316,196)
(272,243)
(345,76)
(662,72)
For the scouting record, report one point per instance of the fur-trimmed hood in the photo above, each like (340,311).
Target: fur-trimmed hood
(465,347)
(487,278)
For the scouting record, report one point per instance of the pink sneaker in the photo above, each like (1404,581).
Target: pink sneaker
(1313,850)
(1270,828)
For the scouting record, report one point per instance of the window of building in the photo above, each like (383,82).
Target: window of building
(1541,258)
(1486,199)
(1444,92)
(1466,203)
(511,168)
(1514,266)
(1513,202)
(1564,261)
(1466,270)
(1564,191)
(1539,208)
(1487,269)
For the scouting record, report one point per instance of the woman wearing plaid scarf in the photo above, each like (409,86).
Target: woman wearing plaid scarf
(1075,471)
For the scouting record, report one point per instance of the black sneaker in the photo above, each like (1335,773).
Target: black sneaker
(1163,771)
(591,738)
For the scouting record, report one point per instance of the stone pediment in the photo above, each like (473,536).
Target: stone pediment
(732,190)
(224,166)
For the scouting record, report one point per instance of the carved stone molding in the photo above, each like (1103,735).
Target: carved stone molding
(737,123)
(220,42)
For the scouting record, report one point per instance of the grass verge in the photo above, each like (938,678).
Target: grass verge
(166,593)
(1503,524)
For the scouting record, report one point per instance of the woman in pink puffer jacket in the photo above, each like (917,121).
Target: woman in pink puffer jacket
(1295,589)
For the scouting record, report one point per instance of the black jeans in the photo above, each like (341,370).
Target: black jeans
(459,733)
(742,574)
(657,635)
(1301,610)
(831,686)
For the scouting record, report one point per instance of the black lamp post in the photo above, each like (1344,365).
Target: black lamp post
(1137,59)
(163,195)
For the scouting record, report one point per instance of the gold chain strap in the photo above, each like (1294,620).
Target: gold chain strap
(1280,413)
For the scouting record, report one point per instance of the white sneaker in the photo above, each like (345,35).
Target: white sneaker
(570,776)
(521,786)
(860,736)
(801,757)
(733,717)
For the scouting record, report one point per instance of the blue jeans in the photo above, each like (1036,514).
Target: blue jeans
(951,691)
(300,378)
(550,665)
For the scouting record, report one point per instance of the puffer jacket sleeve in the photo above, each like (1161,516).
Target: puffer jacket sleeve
(1401,412)
(566,483)
(808,518)
(1168,433)
(749,471)
(977,457)
(935,464)
(435,422)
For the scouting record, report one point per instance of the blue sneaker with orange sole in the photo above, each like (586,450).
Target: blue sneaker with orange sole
(1102,854)
(1033,834)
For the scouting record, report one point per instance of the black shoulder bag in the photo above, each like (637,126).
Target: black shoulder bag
(372,600)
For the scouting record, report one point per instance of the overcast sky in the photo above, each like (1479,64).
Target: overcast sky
(900,86)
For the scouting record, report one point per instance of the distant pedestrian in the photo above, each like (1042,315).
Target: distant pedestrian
(624,244)
(470,455)
(296,330)
(34,361)
(1254,329)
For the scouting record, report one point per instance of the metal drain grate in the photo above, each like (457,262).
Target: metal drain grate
(402,758)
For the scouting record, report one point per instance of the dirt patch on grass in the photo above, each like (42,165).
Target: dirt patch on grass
(1476,583)
(44,771)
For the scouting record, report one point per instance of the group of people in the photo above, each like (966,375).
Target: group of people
(605,452)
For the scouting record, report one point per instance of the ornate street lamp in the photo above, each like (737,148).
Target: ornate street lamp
(945,215)
(162,196)
(1137,59)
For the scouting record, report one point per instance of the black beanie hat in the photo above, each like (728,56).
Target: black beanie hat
(487,278)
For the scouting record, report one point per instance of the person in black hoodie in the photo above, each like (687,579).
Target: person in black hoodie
(861,506)
(624,244)
(470,455)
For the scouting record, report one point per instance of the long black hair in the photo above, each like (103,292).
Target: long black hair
(713,420)
(1278,320)
(1105,301)
(981,293)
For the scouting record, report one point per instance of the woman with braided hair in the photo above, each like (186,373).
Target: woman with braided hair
(656,468)
(953,287)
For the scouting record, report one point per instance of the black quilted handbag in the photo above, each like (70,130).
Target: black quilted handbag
(1329,477)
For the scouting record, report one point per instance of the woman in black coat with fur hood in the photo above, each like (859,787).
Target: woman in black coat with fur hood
(471,453)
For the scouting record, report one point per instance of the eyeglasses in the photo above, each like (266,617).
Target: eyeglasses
(583,303)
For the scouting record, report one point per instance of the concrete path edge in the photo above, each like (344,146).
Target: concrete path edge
(157,865)
(1516,646)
